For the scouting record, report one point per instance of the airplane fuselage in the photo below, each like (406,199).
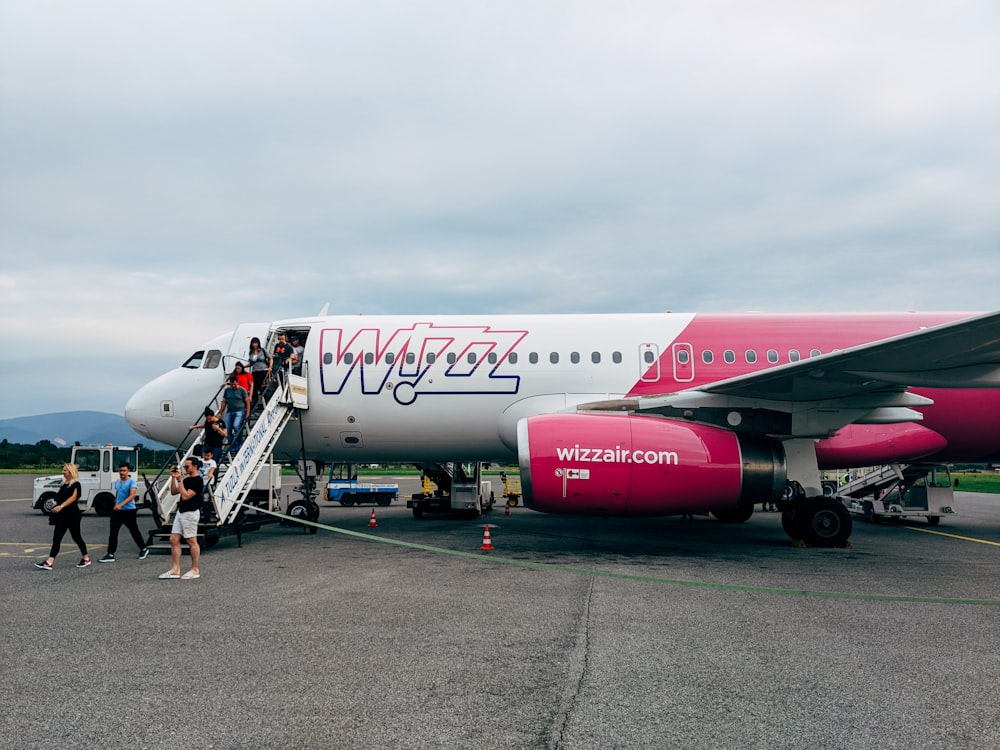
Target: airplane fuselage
(400,388)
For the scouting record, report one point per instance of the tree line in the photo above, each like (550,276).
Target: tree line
(46,455)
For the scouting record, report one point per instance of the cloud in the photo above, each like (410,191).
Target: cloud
(168,171)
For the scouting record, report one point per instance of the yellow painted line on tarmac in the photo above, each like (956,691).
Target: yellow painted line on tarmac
(32,549)
(16,500)
(25,549)
(955,536)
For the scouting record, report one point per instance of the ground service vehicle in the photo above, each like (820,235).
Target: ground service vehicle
(511,489)
(344,487)
(454,487)
(917,490)
(98,466)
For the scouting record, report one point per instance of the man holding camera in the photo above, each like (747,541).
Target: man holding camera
(186,519)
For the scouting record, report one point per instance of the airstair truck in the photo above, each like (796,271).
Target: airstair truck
(454,487)
(98,466)
(916,490)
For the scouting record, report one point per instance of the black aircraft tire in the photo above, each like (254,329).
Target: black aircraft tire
(790,523)
(823,522)
(933,520)
(734,515)
(299,509)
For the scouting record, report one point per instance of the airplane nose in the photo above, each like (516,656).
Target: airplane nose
(138,411)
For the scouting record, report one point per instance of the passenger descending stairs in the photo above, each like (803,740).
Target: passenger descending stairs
(234,485)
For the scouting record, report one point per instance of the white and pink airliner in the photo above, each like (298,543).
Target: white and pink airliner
(631,415)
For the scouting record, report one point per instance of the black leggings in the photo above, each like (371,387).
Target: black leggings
(126,518)
(71,524)
(258,386)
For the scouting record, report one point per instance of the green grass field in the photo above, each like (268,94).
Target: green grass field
(977,482)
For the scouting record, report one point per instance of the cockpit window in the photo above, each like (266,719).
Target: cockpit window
(194,361)
(213,359)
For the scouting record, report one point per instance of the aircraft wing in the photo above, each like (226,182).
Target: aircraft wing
(867,383)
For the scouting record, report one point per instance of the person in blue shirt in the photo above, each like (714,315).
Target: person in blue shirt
(124,514)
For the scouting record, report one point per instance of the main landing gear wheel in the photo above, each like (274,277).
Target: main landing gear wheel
(734,515)
(819,522)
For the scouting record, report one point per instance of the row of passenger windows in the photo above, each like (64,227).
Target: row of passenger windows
(750,355)
(492,358)
(683,357)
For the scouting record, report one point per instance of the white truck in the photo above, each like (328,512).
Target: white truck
(344,487)
(98,466)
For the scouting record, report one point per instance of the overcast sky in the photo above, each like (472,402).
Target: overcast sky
(170,169)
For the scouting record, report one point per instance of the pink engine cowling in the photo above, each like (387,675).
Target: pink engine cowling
(618,464)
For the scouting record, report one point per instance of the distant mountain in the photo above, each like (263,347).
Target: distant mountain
(69,427)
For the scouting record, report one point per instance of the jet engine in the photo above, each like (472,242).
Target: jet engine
(877,444)
(626,465)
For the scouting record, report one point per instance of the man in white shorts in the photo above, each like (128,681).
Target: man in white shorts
(186,518)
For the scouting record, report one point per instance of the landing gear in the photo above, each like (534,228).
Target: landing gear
(818,521)
(305,510)
(734,515)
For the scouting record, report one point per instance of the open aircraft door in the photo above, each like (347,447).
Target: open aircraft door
(239,347)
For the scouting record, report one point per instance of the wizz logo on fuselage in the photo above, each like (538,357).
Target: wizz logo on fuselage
(423,359)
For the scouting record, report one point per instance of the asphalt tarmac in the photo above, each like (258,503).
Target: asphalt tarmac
(571,633)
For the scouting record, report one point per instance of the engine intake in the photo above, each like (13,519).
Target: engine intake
(625,465)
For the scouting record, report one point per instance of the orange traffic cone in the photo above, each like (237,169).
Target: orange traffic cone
(371,520)
(487,544)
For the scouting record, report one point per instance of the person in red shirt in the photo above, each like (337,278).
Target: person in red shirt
(244,379)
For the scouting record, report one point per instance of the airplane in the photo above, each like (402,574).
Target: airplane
(631,414)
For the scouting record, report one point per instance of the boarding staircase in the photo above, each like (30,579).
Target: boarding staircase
(877,482)
(902,491)
(264,428)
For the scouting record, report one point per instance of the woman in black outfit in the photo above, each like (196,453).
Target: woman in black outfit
(259,364)
(66,516)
